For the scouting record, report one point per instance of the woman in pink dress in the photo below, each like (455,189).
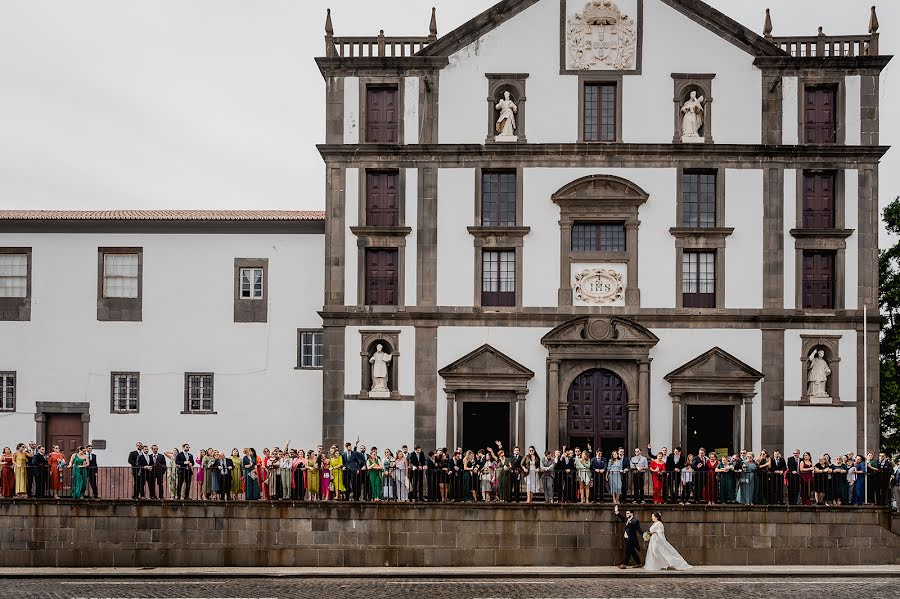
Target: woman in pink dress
(325,475)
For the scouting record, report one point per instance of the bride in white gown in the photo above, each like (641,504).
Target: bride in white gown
(660,553)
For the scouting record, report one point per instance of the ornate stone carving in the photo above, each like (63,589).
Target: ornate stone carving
(818,372)
(379,362)
(692,119)
(600,37)
(599,286)
(506,122)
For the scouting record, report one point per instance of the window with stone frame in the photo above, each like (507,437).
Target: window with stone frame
(381,277)
(598,237)
(818,280)
(820,122)
(125,392)
(382,198)
(498,198)
(818,200)
(198,393)
(121,275)
(698,279)
(498,277)
(14,275)
(698,199)
(7,391)
(382,114)
(252,283)
(600,111)
(310,344)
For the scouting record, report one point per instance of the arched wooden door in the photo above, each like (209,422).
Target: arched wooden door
(597,411)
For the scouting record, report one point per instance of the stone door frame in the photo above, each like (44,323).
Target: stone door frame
(42,409)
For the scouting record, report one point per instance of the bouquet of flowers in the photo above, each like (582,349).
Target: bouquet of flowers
(647,536)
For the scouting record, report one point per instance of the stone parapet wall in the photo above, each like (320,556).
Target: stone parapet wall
(152,534)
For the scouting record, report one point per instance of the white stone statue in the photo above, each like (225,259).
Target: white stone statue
(506,122)
(817,377)
(692,119)
(379,362)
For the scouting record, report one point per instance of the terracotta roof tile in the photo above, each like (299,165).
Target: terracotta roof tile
(165,215)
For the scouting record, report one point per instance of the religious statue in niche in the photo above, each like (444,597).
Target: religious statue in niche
(692,119)
(379,362)
(599,286)
(506,122)
(600,37)
(817,375)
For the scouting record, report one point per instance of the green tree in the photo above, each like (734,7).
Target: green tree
(889,303)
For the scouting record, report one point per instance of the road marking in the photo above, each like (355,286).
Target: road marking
(781,582)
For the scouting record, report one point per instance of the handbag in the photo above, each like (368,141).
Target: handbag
(253,475)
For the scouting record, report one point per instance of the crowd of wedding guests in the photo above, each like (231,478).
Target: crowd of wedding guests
(567,475)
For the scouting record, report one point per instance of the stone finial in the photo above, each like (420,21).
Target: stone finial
(767,26)
(873,21)
(821,33)
(873,33)
(329,35)
(432,27)
(329,29)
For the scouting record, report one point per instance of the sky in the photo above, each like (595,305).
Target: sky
(218,104)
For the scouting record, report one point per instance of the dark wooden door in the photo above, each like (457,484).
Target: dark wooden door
(597,410)
(64,430)
(818,280)
(381,277)
(818,201)
(382,115)
(382,199)
(819,115)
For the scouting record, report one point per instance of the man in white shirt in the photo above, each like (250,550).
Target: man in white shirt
(638,468)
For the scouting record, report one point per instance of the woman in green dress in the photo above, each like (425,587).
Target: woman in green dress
(724,474)
(79,464)
(236,472)
(373,464)
(208,463)
(503,466)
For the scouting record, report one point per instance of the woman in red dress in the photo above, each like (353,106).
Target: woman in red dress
(658,471)
(57,461)
(7,474)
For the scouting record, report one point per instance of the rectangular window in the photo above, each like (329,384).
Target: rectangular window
(698,279)
(382,114)
(7,391)
(382,198)
(698,199)
(599,112)
(13,275)
(818,280)
(818,200)
(198,392)
(598,237)
(125,391)
(820,114)
(498,278)
(120,275)
(251,283)
(381,277)
(311,349)
(498,199)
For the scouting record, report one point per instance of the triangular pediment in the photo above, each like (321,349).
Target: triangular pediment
(592,329)
(486,360)
(715,364)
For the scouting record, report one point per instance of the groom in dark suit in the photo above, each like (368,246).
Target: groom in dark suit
(633,533)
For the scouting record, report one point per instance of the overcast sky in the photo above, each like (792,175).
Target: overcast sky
(218,103)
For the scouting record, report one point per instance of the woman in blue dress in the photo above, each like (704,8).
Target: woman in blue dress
(747,482)
(251,476)
(614,476)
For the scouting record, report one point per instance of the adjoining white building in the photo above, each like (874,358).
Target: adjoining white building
(566,221)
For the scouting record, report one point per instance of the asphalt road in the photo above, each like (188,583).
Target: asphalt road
(583,588)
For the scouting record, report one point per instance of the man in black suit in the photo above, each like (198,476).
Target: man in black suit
(353,462)
(882,480)
(92,470)
(156,473)
(418,464)
(29,471)
(702,473)
(137,479)
(793,472)
(675,462)
(184,464)
(598,473)
(143,464)
(779,467)
(457,471)
(633,533)
(515,475)
(41,469)
(565,473)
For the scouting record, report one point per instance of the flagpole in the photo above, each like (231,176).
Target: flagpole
(865,398)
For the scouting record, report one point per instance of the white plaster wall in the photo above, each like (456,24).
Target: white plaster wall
(411,110)
(790,252)
(65,354)
(679,346)
(351,110)
(820,429)
(455,246)
(522,344)
(529,43)
(743,248)
(406,361)
(853,129)
(790,111)
(793,344)
(351,252)
(411,250)
(381,423)
(851,254)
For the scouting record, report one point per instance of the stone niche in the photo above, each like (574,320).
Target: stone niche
(701,85)
(829,344)
(390,342)
(498,84)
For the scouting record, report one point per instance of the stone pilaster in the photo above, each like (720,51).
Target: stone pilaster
(773,239)
(867,236)
(426,238)
(333,386)
(426,387)
(772,390)
(772,107)
(335,224)
(334,110)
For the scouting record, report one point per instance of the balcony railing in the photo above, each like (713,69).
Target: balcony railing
(378,46)
(827,45)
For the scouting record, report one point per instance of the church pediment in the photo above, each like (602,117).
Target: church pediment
(486,368)
(611,331)
(715,369)
(601,187)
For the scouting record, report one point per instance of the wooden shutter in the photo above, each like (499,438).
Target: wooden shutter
(818,280)
(381,277)
(818,201)
(381,115)
(382,199)
(819,114)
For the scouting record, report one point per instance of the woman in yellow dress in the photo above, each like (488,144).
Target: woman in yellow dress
(312,475)
(336,462)
(20,465)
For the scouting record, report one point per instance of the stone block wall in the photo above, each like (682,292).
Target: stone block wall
(185,534)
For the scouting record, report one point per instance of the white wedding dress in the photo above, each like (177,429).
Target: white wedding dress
(660,553)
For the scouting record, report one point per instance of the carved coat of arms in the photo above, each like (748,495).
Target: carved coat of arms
(600,37)
(599,286)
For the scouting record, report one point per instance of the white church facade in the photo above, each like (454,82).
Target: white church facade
(565,221)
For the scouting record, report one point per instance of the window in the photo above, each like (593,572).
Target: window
(818,280)
(820,114)
(311,349)
(14,275)
(498,199)
(125,392)
(818,200)
(251,283)
(120,275)
(381,277)
(498,278)
(382,199)
(382,114)
(698,279)
(7,391)
(599,112)
(198,392)
(698,199)
(598,237)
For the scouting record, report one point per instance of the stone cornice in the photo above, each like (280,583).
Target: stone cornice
(499,231)
(821,233)
(800,65)
(381,231)
(601,155)
(363,66)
